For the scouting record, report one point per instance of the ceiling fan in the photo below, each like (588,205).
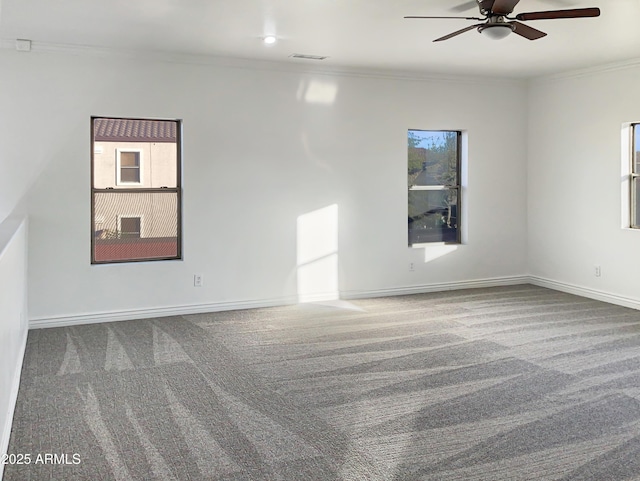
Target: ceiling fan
(497,24)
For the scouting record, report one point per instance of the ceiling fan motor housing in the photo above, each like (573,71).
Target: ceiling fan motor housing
(496,28)
(496,31)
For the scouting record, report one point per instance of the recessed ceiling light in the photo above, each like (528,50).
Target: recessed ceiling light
(269,39)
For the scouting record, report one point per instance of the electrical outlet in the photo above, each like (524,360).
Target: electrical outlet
(197,280)
(412,267)
(597,271)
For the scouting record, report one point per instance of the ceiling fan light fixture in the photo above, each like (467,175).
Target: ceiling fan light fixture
(496,31)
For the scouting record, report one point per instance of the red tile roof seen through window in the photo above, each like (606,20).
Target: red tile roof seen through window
(134,130)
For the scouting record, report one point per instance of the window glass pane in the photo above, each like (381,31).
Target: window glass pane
(147,150)
(130,174)
(635,199)
(129,159)
(636,149)
(433,216)
(135,189)
(432,158)
(130,226)
(135,225)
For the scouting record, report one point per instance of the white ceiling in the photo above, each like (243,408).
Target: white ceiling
(367,34)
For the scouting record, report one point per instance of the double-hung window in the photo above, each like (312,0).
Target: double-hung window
(634,180)
(135,190)
(433,177)
(129,166)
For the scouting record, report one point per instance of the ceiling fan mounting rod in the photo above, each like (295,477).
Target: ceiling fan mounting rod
(493,19)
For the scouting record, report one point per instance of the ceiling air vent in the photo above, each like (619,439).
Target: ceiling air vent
(308,57)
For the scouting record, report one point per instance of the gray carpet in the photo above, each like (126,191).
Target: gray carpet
(510,383)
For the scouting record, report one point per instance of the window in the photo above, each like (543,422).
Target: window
(135,190)
(130,227)
(634,180)
(433,177)
(129,166)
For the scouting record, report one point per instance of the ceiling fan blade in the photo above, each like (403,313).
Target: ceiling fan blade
(565,3)
(504,7)
(526,31)
(485,5)
(461,18)
(447,37)
(570,13)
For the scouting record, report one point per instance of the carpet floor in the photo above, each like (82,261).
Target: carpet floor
(508,383)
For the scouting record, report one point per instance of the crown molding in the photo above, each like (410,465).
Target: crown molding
(588,71)
(289,65)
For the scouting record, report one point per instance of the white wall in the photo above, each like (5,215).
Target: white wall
(257,155)
(16,175)
(575,182)
(13,318)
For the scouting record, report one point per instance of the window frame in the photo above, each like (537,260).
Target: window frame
(633,175)
(457,187)
(119,167)
(124,190)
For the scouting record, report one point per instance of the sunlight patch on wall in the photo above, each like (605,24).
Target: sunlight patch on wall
(317,255)
(432,252)
(317,91)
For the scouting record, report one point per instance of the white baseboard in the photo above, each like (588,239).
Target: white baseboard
(585,292)
(127,315)
(73,320)
(13,398)
(437,287)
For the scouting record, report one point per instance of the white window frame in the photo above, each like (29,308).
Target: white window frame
(632,174)
(119,181)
